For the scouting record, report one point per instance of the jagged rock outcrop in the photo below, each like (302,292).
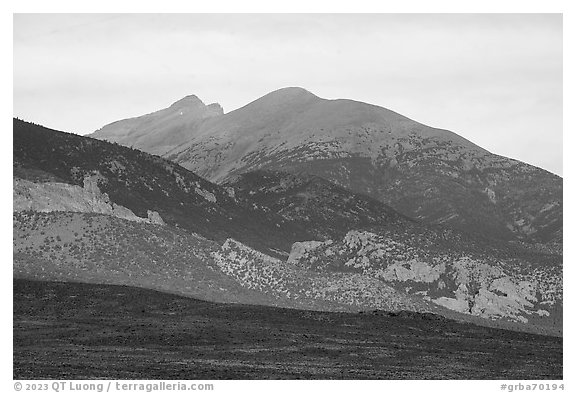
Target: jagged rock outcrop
(154,218)
(485,286)
(351,291)
(54,196)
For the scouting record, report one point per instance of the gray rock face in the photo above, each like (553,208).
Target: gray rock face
(154,218)
(54,196)
(426,173)
(344,291)
(493,288)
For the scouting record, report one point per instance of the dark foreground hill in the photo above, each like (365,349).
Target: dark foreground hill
(82,331)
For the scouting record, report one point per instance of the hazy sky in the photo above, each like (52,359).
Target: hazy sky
(494,79)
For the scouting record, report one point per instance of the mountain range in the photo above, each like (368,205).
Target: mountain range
(427,174)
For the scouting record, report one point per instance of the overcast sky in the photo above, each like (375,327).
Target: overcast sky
(494,79)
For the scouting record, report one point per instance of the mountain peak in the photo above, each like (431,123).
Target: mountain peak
(291,91)
(216,109)
(188,101)
(285,97)
(195,104)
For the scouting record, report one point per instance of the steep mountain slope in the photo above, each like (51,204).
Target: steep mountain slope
(323,208)
(107,174)
(163,130)
(425,173)
(330,211)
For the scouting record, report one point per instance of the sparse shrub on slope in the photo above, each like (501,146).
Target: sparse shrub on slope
(99,248)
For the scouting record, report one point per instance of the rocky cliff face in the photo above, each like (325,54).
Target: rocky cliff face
(54,196)
(338,291)
(426,173)
(518,289)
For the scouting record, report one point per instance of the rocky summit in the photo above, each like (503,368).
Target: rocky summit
(427,174)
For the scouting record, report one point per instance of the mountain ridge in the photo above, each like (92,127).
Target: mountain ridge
(425,173)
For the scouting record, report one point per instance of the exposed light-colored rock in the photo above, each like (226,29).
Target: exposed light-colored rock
(491,195)
(205,194)
(300,250)
(481,288)
(258,271)
(54,196)
(413,271)
(459,305)
(231,192)
(155,218)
